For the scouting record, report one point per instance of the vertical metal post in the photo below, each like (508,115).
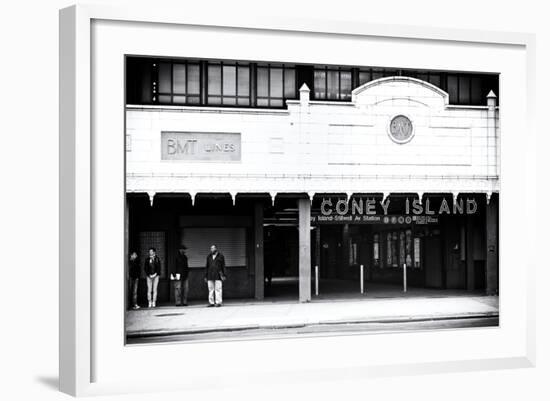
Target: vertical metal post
(404,277)
(304,253)
(316,280)
(362,279)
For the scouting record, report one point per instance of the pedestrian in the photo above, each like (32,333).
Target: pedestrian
(134,271)
(152,270)
(180,277)
(215,274)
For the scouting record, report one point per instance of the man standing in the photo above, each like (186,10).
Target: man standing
(180,278)
(215,274)
(134,278)
(152,270)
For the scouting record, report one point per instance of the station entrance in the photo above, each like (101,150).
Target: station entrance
(396,250)
(289,250)
(281,262)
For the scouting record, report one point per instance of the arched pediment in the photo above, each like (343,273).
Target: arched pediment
(399,88)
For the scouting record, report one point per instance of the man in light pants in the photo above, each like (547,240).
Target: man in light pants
(152,270)
(215,274)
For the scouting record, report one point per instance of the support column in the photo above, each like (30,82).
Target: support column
(345,254)
(259,250)
(304,253)
(318,246)
(126,251)
(491,269)
(470,269)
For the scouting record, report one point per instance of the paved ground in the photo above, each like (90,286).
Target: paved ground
(321,330)
(247,316)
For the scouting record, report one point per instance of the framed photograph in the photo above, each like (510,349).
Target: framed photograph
(290,198)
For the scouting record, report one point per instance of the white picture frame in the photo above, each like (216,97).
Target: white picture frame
(93,358)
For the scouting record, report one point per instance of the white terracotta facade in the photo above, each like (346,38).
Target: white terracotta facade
(322,146)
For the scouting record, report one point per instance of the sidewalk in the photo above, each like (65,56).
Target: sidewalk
(234,316)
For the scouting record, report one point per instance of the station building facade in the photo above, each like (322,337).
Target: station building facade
(291,169)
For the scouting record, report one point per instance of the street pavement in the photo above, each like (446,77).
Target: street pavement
(322,330)
(242,316)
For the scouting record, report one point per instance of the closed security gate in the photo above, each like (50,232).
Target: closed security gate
(231,242)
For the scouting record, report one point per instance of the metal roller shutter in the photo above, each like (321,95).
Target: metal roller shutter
(231,242)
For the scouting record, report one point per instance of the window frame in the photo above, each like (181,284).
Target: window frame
(269,98)
(338,69)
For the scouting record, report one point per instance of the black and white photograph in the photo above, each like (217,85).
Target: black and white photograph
(294,200)
(273,199)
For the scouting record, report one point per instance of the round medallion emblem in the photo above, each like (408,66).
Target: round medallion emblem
(401,129)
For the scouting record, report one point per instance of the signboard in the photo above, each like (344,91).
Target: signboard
(374,219)
(201,146)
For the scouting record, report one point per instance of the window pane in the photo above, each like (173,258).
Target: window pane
(401,248)
(417,252)
(193,79)
(244,81)
(165,99)
(452,88)
(193,99)
(408,248)
(165,78)
(214,80)
(388,250)
(464,89)
(263,102)
(476,91)
(332,84)
(180,99)
(244,101)
(276,82)
(290,83)
(377,73)
(214,100)
(364,77)
(395,262)
(231,101)
(345,85)
(276,103)
(435,79)
(179,78)
(229,80)
(262,82)
(423,76)
(410,73)
(319,84)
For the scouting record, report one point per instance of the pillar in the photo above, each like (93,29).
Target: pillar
(345,254)
(304,96)
(304,252)
(493,143)
(126,250)
(491,266)
(259,250)
(318,246)
(470,269)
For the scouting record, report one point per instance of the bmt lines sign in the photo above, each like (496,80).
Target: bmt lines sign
(201,146)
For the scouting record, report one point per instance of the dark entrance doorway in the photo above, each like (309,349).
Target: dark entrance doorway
(433,261)
(281,261)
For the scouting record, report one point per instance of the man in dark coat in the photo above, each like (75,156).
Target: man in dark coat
(152,270)
(134,272)
(215,274)
(180,277)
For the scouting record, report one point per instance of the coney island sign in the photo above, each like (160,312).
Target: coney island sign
(367,211)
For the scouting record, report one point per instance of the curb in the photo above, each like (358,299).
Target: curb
(388,320)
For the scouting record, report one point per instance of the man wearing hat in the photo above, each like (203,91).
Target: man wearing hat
(180,277)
